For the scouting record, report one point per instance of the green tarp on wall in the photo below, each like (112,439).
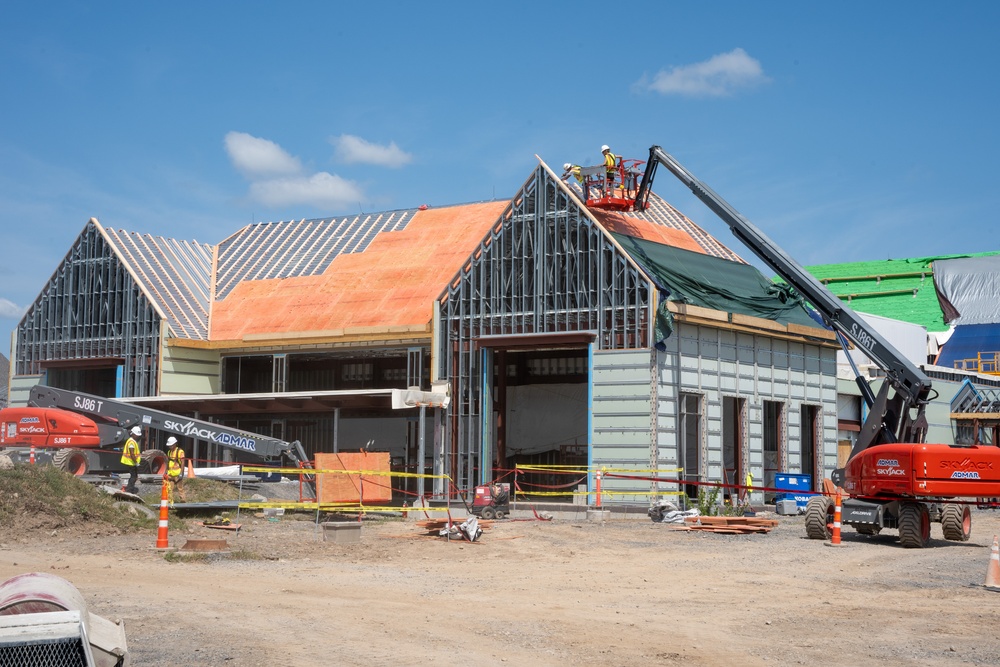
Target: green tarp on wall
(701,280)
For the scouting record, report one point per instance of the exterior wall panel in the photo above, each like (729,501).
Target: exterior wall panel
(190,371)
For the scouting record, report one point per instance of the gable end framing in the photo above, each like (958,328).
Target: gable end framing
(92,309)
(546,267)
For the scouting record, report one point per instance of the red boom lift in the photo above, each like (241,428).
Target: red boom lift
(893,479)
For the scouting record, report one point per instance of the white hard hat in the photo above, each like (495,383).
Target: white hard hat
(136,430)
(605,147)
(567,166)
(171,441)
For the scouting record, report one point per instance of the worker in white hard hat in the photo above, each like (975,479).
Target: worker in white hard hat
(573,177)
(175,468)
(131,458)
(610,166)
(570,169)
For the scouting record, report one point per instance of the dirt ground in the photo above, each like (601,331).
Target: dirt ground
(625,592)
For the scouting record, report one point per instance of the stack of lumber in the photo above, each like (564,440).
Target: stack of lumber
(730,525)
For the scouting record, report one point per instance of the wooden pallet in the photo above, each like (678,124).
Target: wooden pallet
(730,525)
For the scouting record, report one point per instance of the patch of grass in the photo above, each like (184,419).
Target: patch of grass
(194,557)
(175,557)
(47,496)
(708,501)
(195,491)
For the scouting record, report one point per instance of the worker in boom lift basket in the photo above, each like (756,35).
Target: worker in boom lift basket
(610,167)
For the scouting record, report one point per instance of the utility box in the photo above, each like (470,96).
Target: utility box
(786,507)
(341,532)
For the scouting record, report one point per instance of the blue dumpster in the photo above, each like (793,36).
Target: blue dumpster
(796,487)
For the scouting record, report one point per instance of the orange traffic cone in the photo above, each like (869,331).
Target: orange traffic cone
(190,470)
(993,569)
(161,533)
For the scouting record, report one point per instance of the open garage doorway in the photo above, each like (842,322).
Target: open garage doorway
(538,417)
(100,377)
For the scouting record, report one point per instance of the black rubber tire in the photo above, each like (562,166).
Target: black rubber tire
(956,522)
(73,461)
(817,517)
(500,513)
(487,513)
(868,529)
(153,461)
(914,525)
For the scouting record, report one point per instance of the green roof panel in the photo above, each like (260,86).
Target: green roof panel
(900,289)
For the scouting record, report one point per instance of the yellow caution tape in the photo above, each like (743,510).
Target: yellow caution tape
(602,469)
(313,471)
(337,507)
(604,492)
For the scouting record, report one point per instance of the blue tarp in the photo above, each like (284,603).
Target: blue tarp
(967,342)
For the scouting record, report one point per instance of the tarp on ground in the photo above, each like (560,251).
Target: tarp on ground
(968,289)
(702,280)
(967,342)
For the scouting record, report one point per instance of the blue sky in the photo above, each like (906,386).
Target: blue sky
(846,131)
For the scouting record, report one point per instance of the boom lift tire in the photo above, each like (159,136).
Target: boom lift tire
(956,522)
(817,517)
(153,461)
(914,525)
(73,461)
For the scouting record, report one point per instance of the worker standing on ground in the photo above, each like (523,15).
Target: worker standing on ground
(610,167)
(131,458)
(175,468)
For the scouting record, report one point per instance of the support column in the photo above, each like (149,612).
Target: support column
(420,454)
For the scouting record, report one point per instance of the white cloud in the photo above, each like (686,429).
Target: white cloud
(718,76)
(278,178)
(10,309)
(256,157)
(351,149)
(320,189)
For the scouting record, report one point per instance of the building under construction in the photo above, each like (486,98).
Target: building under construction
(463,339)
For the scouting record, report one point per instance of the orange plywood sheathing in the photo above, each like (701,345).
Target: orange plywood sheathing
(393,282)
(347,488)
(645,229)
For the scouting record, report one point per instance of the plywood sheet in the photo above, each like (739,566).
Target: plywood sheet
(348,488)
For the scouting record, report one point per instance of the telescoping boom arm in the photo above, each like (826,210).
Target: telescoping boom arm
(890,419)
(127,415)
